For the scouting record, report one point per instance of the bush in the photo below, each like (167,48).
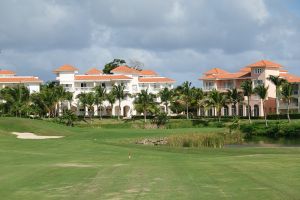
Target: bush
(160,120)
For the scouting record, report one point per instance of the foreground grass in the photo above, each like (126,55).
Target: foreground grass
(92,163)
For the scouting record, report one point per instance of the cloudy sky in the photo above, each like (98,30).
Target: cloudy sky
(180,39)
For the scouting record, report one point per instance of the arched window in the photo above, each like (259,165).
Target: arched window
(241,110)
(226,112)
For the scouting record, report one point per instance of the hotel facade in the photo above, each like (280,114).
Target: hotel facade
(134,81)
(258,73)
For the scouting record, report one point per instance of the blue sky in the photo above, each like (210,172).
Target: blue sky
(180,39)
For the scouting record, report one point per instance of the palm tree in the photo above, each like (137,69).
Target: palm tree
(145,102)
(198,98)
(100,93)
(248,91)
(262,92)
(277,81)
(90,100)
(83,100)
(69,98)
(287,93)
(166,96)
(184,91)
(217,100)
(118,91)
(111,98)
(60,94)
(234,97)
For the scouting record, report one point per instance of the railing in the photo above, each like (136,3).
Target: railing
(84,89)
(292,105)
(209,88)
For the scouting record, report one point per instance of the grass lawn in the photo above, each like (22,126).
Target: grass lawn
(92,163)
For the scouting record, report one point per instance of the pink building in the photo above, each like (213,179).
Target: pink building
(258,72)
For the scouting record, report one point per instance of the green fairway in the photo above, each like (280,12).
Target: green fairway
(92,163)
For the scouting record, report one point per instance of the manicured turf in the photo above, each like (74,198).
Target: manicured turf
(92,163)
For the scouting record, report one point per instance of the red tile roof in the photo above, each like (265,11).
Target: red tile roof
(66,68)
(125,69)
(216,71)
(94,71)
(6,72)
(101,77)
(246,69)
(148,73)
(290,77)
(156,80)
(264,64)
(238,75)
(20,79)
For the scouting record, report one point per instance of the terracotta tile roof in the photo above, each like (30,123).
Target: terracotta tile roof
(148,73)
(246,69)
(20,79)
(94,71)
(125,69)
(101,77)
(290,77)
(216,71)
(66,68)
(156,80)
(238,75)
(264,64)
(6,72)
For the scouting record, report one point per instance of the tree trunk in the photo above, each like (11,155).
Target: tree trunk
(100,112)
(187,111)
(288,111)
(264,112)
(249,110)
(145,115)
(277,102)
(167,108)
(119,109)
(219,115)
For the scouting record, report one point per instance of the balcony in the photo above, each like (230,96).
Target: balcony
(84,89)
(209,88)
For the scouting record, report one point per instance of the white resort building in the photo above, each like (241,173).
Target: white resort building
(134,81)
(9,79)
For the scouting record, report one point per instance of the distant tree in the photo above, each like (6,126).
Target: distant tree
(262,92)
(111,98)
(136,64)
(145,102)
(112,65)
(287,93)
(278,82)
(248,91)
(119,93)
(234,97)
(217,100)
(166,96)
(185,94)
(100,93)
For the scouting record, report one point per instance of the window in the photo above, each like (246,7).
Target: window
(82,85)
(103,85)
(258,82)
(258,70)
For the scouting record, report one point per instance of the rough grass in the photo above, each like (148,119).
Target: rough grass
(92,163)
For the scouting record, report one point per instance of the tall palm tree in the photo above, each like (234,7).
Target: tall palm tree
(118,91)
(69,98)
(185,91)
(262,92)
(83,101)
(234,97)
(111,98)
(145,102)
(60,94)
(217,100)
(287,93)
(198,98)
(277,81)
(166,96)
(100,93)
(248,91)
(90,101)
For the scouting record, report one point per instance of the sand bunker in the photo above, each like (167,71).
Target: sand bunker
(32,136)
